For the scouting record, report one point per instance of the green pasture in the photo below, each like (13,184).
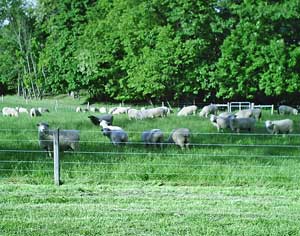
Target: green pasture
(224,184)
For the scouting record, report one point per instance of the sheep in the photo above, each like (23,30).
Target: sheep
(9,111)
(93,109)
(180,137)
(221,122)
(22,110)
(119,110)
(153,136)
(68,139)
(43,110)
(237,124)
(117,137)
(97,119)
(279,126)
(102,110)
(244,113)
(154,112)
(207,110)
(189,110)
(256,113)
(226,114)
(34,112)
(135,114)
(105,125)
(287,110)
(78,109)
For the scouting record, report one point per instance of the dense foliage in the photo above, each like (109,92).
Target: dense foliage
(162,49)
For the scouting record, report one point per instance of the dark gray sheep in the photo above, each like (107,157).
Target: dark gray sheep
(153,136)
(68,139)
(97,119)
(180,137)
(117,137)
(237,124)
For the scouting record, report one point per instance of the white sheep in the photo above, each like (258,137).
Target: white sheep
(34,112)
(208,110)
(220,122)
(97,119)
(226,114)
(246,113)
(287,110)
(237,124)
(153,136)
(22,110)
(189,110)
(9,111)
(78,109)
(119,110)
(180,137)
(102,110)
(135,114)
(257,113)
(68,139)
(105,125)
(279,126)
(117,137)
(43,110)
(154,112)
(93,109)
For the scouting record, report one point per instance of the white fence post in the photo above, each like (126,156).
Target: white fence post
(56,157)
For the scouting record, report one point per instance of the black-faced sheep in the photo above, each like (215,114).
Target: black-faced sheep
(153,136)
(68,139)
(279,126)
(287,110)
(180,137)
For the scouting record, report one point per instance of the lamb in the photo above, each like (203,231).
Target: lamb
(135,114)
(287,110)
(237,124)
(68,139)
(153,136)
(221,122)
(9,111)
(279,126)
(105,125)
(207,110)
(180,137)
(189,110)
(34,112)
(22,110)
(117,137)
(97,119)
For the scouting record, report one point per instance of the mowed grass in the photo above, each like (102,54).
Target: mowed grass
(224,184)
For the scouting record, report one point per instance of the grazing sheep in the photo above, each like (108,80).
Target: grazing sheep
(221,122)
(68,139)
(237,124)
(180,137)
(105,125)
(244,113)
(154,112)
(208,110)
(102,110)
(279,126)
(117,137)
(119,110)
(189,110)
(287,110)
(97,119)
(34,112)
(43,110)
(134,114)
(153,136)
(9,111)
(22,110)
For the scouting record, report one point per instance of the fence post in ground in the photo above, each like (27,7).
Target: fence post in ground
(272,110)
(56,157)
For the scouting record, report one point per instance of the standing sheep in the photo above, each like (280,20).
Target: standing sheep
(105,125)
(237,124)
(97,119)
(207,110)
(9,111)
(189,110)
(287,110)
(220,122)
(22,110)
(68,139)
(34,112)
(246,113)
(153,136)
(279,126)
(180,137)
(134,114)
(117,137)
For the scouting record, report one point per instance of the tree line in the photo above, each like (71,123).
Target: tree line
(137,50)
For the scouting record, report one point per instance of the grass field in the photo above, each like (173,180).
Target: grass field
(225,184)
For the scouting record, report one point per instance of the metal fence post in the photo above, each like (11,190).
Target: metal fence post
(56,157)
